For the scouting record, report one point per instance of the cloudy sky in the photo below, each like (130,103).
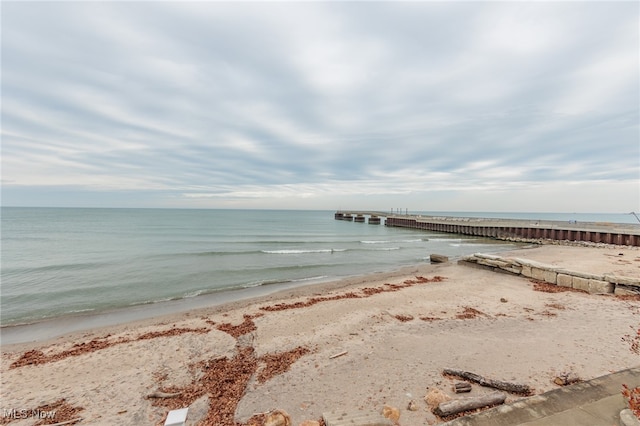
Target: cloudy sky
(480,106)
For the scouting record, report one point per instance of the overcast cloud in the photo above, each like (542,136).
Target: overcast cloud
(478,106)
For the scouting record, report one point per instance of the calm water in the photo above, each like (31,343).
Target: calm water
(57,262)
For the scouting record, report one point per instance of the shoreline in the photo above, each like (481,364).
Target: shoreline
(396,333)
(49,329)
(68,326)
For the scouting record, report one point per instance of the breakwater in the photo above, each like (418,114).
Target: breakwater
(591,283)
(506,229)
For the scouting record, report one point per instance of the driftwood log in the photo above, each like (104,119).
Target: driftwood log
(496,384)
(68,422)
(339,354)
(449,408)
(160,394)
(460,387)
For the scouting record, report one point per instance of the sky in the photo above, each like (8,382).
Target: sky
(426,106)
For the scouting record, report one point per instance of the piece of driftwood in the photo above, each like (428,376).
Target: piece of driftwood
(496,384)
(68,422)
(449,408)
(460,387)
(338,354)
(159,394)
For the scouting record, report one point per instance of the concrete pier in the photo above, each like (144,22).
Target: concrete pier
(595,232)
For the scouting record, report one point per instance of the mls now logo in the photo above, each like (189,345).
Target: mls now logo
(16,414)
(40,414)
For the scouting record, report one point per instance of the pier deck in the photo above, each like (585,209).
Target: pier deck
(596,232)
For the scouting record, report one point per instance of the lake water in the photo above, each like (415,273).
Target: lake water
(59,262)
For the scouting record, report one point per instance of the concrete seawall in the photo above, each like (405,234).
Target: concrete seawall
(592,283)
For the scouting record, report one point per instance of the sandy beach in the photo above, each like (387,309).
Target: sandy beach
(354,345)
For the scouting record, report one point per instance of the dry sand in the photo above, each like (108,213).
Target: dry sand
(396,343)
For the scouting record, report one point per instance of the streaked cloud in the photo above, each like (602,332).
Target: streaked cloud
(435,105)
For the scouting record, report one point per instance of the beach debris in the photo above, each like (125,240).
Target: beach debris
(412,406)
(438,258)
(339,354)
(160,394)
(430,319)
(552,288)
(403,318)
(62,413)
(435,397)
(68,422)
(565,379)
(236,331)
(225,381)
(470,313)
(450,408)
(391,413)
(503,300)
(36,357)
(177,417)
(279,363)
(461,387)
(277,418)
(517,388)
(365,292)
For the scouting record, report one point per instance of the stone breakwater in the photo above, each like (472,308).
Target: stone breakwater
(592,283)
(546,241)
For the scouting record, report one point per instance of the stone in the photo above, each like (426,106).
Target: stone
(622,290)
(628,419)
(597,286)
(485,262)
(564,280)
(489,256)
(434,397)
(566,379)
(527,271)
(438,258)
(494,263)
(198,411)
(310,423)
(391,413)
(514,269)
(412,406)
(618,279)
(277,418)
(580,283)
(537,274)
(584,275)
(549,276)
